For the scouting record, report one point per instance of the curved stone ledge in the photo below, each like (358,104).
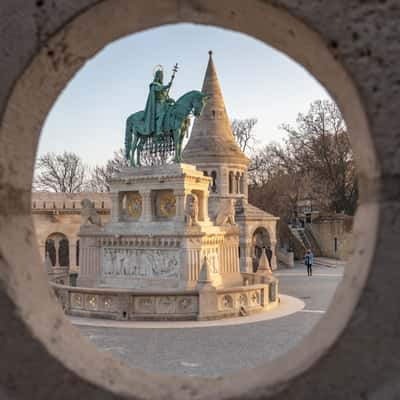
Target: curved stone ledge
(168,304)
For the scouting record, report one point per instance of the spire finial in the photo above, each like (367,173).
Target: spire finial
(210,53)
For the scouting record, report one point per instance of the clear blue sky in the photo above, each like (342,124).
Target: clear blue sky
(257,81)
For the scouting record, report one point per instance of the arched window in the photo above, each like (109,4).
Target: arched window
(102,204)
(230,182)
(34,204)
(205,173)
(241,183)
(214,181)
(50,251)
(57,249)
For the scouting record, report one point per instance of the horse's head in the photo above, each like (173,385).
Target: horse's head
(199,101)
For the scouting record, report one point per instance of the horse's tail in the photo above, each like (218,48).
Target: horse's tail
(128,138)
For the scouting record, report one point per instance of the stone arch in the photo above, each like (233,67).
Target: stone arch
(39,84)
(260,239)
(214,181)
(57,249)
(231,182)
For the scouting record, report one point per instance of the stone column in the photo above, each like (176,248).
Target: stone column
(42,249)
(115,206)
(57,251)
(246,262)
(245,185)
(205,207)
(180,204)
(274,264)
(146,206)
(72,255)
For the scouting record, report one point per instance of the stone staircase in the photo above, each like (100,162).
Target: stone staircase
(328,262)
(305,239)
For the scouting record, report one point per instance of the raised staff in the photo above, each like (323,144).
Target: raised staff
(174,71)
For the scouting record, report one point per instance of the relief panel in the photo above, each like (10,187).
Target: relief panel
(76,300)
(186,304)
(166,305)
(144,305)
(140,263)
(91,301)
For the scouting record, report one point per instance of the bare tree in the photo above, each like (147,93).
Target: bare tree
(320,147)
(243,132)
(60,173)
(315,162)
(101,174)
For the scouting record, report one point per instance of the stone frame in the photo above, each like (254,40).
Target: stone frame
(32,78)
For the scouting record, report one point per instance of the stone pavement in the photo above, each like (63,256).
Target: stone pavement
(215,350)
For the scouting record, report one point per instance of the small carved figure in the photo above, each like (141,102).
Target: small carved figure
(89,214)
(226,213)
(192,210)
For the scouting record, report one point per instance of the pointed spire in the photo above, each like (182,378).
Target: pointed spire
(211,139)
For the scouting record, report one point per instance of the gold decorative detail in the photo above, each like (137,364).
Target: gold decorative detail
(108,302)
(91,301)
(134,205)
(77,300)
(167,205)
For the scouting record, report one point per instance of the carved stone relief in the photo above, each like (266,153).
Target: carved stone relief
(144,304)
(186,304)
(76,300)
(91,301)
(242,300)
(166,305)
(140,263)
(226,302)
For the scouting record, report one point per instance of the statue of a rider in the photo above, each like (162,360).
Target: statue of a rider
(157,104)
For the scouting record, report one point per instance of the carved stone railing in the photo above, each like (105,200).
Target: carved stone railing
(258,294)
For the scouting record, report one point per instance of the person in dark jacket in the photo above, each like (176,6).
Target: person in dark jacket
(308,261)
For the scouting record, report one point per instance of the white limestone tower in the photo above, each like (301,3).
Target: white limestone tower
(213,149)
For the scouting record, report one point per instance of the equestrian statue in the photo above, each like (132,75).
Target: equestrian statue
(158,131)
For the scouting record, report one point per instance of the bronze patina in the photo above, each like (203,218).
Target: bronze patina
(160,128)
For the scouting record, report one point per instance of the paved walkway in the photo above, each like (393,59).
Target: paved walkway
(214,349)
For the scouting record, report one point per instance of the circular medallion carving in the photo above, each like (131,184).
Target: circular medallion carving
(167,206)
(134,205)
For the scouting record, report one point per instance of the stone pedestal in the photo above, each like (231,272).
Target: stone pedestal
(159,234)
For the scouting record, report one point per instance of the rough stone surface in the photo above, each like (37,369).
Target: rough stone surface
(352,48)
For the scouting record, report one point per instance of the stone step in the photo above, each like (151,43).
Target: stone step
(329,262)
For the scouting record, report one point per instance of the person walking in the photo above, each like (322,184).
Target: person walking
(308,260)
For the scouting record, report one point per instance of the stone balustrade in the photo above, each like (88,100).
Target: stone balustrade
(127,304)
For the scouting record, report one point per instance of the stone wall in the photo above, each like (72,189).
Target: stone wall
(327,229)
(59,213)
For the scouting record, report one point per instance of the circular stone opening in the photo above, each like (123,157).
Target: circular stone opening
(33,95)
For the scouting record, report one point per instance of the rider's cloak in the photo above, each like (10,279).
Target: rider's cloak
(150,111)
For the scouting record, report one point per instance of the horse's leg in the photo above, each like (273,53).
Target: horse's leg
(134,148)
(139,150)
(178,145)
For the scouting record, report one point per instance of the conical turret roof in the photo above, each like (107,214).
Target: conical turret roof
(211,139)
